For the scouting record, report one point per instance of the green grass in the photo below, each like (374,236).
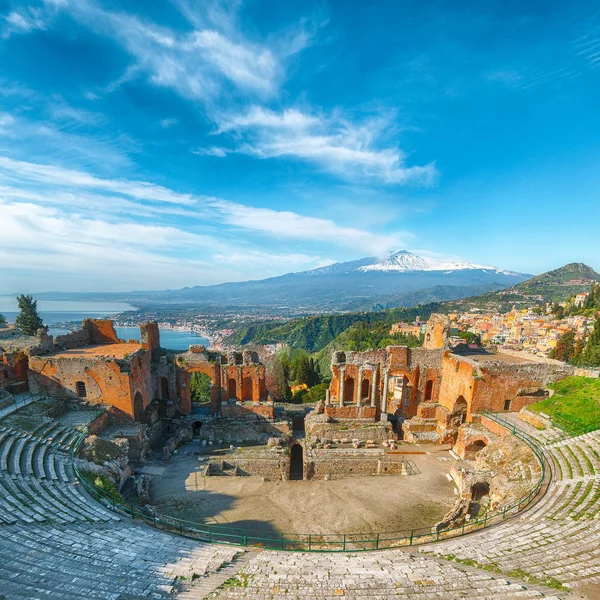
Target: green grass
(575,406)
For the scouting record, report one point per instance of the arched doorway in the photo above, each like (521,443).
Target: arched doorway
(138,407)
(459,412)
(200,384)
(81,389)
(247,389)
(479,490)
(196,425)
(428,390)
(473,449)
(232,389)
(297,462)
(365,389)
(164,389)
(349,391)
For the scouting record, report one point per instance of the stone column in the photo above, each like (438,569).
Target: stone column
(384,395)
(342,385)
(359,390)
(327,398)
(374,389)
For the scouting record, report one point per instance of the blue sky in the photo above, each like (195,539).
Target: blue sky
(152,145)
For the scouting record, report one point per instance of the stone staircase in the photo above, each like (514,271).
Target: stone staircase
(112,561)
(57,542)
(558,539)
(37,484)
(204,586)
(371,575)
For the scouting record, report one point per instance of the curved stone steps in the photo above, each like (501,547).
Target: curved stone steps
(104,561)
(36,484)
(385,574)
(558,537)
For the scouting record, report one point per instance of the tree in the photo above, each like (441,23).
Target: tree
(565,347)
(590,357)
(470,337)
(277,379)
(2,321)
(200,387)
(579,348)
(28,320)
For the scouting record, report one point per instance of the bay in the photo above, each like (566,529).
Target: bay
(54,311)
(171,339)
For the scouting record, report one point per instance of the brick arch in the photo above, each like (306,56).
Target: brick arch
(428,396)
(474,447)
(460,409)
(349,390)
(138,406)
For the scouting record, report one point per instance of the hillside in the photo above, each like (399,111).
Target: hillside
(558,285)
(314,333)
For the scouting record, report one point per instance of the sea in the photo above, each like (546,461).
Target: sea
(53,312)
(170,339)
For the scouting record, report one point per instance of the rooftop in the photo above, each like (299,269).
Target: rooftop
(106,350)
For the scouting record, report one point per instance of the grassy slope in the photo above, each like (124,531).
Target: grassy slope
(575,405)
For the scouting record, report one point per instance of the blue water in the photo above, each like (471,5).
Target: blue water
(170,339)
(56,312)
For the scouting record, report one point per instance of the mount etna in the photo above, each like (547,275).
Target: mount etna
(401,279)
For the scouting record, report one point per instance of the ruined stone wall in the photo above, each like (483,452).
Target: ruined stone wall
(107,381)
(237,430)
(140,377)
(457,380)
(340,463)
(92,331)
(75,339)
(150,336)
(271,468)
(521,384)
(266,410)
(322,427)
(237,377)
(101,331)
(421,367)
(437,330)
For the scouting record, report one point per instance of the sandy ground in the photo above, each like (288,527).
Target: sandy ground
(351,505)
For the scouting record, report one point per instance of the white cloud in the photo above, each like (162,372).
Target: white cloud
(86,197)
(211,151)
(59,139)
(166,123)
(198,64)
(332,143)
(291,225)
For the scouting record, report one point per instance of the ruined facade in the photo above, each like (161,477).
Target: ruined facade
(237,381)
(427,393)
(141,380)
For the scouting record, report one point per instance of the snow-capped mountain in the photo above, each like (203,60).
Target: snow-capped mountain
(407,261)
(402,279)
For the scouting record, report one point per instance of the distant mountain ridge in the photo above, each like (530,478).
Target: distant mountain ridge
(319,332)
(402,279)
(554,286)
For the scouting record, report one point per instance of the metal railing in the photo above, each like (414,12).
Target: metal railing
(334,542)
(569,425)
